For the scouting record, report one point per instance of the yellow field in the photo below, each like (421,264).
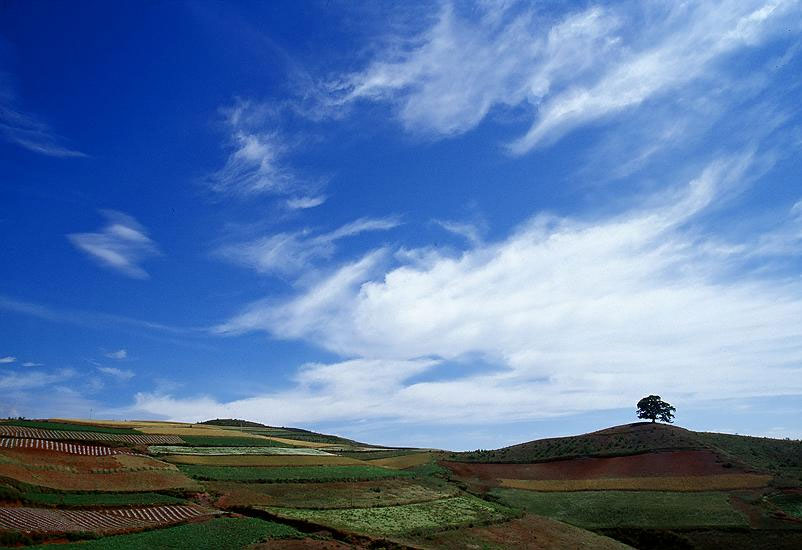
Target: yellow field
(118,423)
(722,482)
(263,460)
(405,461)
(296,443)
(195,429)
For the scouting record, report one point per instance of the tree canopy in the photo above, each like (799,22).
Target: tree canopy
(654,408)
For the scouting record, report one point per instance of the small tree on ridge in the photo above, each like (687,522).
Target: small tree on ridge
(654,408)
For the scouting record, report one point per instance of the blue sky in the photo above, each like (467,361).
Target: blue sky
(458,224)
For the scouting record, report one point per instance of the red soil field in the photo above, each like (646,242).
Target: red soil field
(105,521)
(121,472)
(672,463)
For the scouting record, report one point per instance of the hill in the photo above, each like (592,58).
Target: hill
(234,422)
(779,457)
(231,483)
(650,485)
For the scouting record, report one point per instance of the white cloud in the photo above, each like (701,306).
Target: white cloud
(7,359)
(26,130)
(468,231)
(302,203)
(31,380)
(290,253)
(121,245)
(567,72)
(577,316)
(32,364)
(120,374)
(257,162)
(119,354)
(321,393)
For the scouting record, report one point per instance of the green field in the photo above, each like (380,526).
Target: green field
(289,473)
(791,504)
(234,451)
(377,455)
(303,435)
(98,499)
(782,457)
(321,495)
(215,534)
(404,519)
(45,425)
(233,441)
(643,509)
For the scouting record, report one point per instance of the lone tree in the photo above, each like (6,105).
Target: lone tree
(654,408)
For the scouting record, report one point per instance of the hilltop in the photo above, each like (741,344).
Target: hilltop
(780,457)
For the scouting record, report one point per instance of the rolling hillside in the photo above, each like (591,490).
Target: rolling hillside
(237,484)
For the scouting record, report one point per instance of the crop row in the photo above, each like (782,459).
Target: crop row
(59,447)
(35,433)
(226,451)
(63,521)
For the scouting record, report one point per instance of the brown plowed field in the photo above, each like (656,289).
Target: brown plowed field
(724,482)
(673,463)
(100,521)
(120,472)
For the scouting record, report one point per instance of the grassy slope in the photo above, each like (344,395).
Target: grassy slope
(354,494)
(216,534)
(289,473)
(644,509)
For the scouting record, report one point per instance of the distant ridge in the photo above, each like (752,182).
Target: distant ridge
(235,422)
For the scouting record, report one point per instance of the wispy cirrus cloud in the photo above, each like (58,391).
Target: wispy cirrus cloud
(36,379)
(120,374)
(121,245)
(577,315)
(567,70)
(257,162)
(294,252)
(32,364)
(26,130)
(119,354)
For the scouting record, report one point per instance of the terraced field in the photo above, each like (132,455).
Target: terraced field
(96,521)
(289,473)
(642,509)
(405,519)
(215,534)
(724,482)
(57,435)
(329,495)
(60,447)
(226,451)
(382,497)
(120,472)
(263,460)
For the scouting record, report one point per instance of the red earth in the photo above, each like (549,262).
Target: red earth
(671,463)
